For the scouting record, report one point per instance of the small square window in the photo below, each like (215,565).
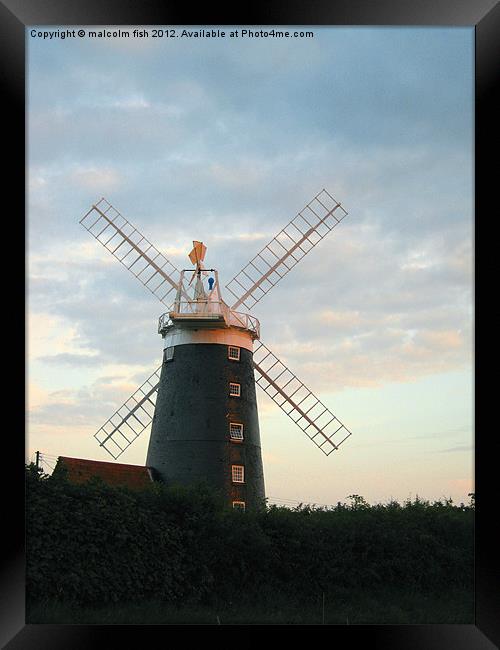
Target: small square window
(169,353)
(234,389)
(239,505)
(233,352)
(235,431)
(238,473)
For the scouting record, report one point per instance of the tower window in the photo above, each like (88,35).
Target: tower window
(234,389)
(233,352)
(238,473)
(239,505)
(169,354)
(235,431)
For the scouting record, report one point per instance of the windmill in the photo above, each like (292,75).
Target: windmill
(201,402)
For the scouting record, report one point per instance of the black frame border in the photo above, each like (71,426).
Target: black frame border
(484,16)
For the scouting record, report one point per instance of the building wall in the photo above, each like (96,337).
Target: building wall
(190,439)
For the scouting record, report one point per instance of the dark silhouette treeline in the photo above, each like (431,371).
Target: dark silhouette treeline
(94,545)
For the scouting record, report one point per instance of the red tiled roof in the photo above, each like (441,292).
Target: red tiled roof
(80,470)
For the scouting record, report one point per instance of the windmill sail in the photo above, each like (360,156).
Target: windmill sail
(263,272)
(285,250)
(130,420)
(297,401)
(132,249)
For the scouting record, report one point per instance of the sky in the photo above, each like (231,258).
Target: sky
(225,140)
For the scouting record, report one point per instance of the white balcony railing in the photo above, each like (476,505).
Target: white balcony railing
(245,321)
(207,310)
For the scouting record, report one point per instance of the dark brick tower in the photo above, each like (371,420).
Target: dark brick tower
(205,426)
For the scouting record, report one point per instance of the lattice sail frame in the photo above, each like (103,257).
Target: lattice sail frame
(129,421)
(274,378)
(285,250)
(310,414)
(132,249)
(114,232)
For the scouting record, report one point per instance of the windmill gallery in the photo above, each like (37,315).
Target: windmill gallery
(201,402)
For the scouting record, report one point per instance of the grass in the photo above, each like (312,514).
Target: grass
(455,606)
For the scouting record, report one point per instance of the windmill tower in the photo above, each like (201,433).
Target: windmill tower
(201,401)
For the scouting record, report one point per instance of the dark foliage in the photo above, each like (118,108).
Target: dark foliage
(93,544)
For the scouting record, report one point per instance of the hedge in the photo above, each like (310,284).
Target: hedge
(93,544)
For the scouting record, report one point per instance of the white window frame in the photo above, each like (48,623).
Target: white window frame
(236,437)
(169,356)
(232,394)
(239,505)
(238,473)
(229,350)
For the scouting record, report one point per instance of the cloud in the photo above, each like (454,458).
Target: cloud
(73,360)
(244,236)
(446,433)
(36,395)
(95,179)
(340,319)
(131,102)
(440,340)
(457,448)
(88,407)
(49,332)
(369,318)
